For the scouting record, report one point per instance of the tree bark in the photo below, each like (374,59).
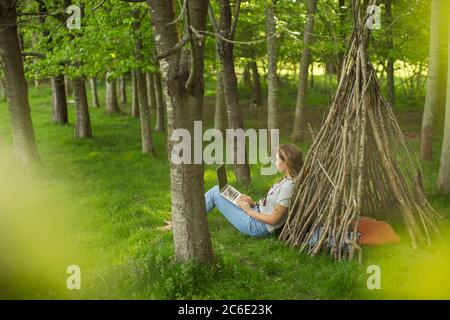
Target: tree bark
(256,83)
(299,121)
(241,171)
(184,90)
(220,112)
(247,78)
(390,59)
(160,127)
(444,168)
(123,91)
(151,96)
(272,79)
(68,87)
(94,93)
(431,97)
(83,121)
(144,110)
(111,104)
(59,101)
(2,90)
(144,115)
(134,95)
(16,87)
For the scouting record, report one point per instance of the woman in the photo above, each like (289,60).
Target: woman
(269,214)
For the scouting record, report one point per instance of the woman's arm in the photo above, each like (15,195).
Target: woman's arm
(272,219)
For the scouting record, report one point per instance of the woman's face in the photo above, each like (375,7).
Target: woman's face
(280,164)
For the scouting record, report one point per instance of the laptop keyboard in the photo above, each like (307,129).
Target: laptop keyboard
(230,193)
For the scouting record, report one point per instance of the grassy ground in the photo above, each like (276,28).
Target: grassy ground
(108,198)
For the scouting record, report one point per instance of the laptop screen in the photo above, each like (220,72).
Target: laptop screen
(222,176)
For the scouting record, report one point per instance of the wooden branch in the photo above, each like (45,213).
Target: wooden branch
(176,48)
(237,7)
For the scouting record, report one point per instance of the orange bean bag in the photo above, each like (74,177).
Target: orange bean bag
(376,232)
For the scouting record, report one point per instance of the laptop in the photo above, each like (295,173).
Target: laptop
(227,191)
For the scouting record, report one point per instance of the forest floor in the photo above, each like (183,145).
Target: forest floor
(109,199)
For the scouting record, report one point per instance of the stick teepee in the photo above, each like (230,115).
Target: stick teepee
(358,164)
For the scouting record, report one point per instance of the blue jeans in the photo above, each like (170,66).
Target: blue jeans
(237,217)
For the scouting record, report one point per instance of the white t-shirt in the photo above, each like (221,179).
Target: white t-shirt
(280,193)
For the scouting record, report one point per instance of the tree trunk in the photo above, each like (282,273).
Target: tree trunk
(16,87)
(160,127)
(123,92)
(134,95)
(144,114)
(111,104)
(256,85)
(144,110)
(83,121)
(2,90)
(151,97)
(432,85)
(68,86)
(94,93)
(184,99)
(247,78)
(59,101)
(242,171)
(390,60)
(220,112)
(444,169)
(272,79)
(299,121)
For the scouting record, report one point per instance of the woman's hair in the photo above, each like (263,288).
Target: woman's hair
(293,158)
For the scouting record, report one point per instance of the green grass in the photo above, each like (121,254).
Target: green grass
(112,198)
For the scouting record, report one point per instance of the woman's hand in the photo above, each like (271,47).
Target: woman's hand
(247,199)
(243,203)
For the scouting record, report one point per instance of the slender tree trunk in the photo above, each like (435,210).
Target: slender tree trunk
(2,90)
(272,79)
(111,103)
(144,114)
(242,171)
(134,95)
(390,60)
(16,87)
(59,101)
(444,169)
(94,93)
(151,96)
(247,77)
(432,85)
(160,127)
(144,110)
(220,112)
(256,85)
(184,100)
(68,87)
(83,121)
(123,92)
(299,121)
